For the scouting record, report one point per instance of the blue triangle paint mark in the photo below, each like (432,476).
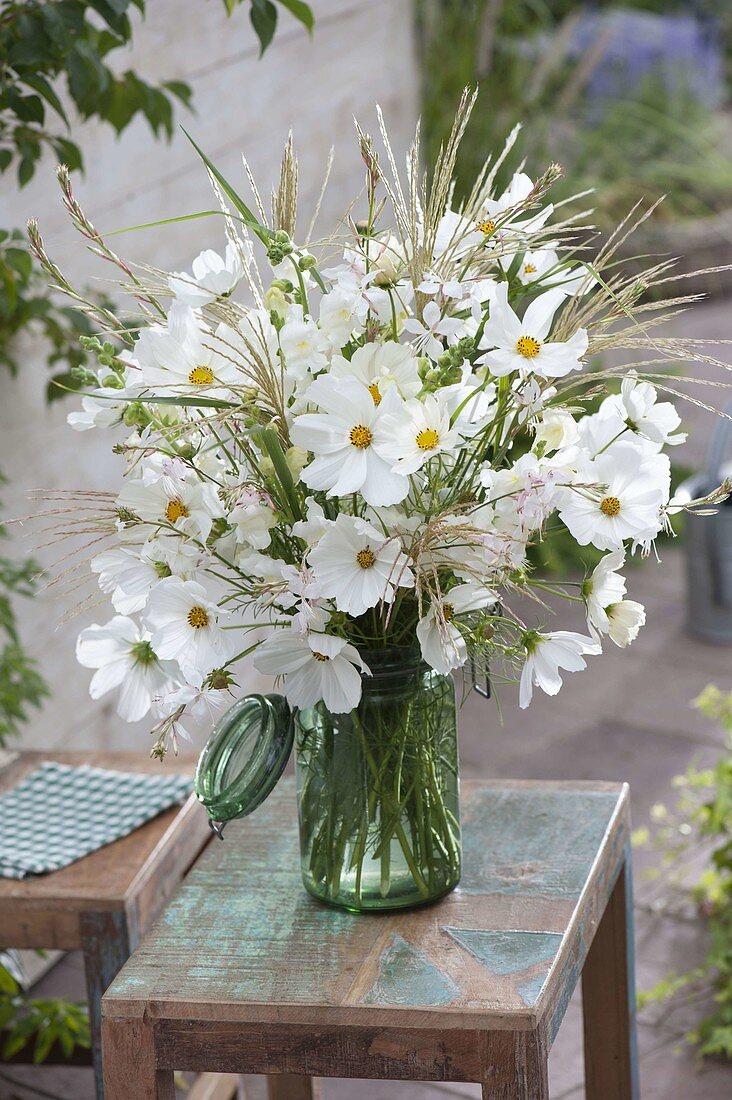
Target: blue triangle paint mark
(529,991)
(507,952)
(409,977)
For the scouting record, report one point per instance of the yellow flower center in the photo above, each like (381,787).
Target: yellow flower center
(529,269)
(610,506)
(427,439)
(375,393)
(320,657)
(361,437)
(448,612)
(176,510)
(197,617)
(528,347)
(365,558)
(201,376)
(486,227)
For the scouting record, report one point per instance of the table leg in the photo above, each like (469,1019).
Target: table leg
(290,1086)
(130,1069)
(515,1066)
(608,1000)
(107,943)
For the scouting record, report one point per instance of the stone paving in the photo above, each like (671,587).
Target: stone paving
(626,718)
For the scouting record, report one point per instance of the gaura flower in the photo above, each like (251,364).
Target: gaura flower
(347,439)
(441,641)
(433,329)
(124,658)
(184,627)
(314,667)
(522,345)
(546,654)
(354,565)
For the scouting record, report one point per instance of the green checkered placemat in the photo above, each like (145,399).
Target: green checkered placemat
(59,813)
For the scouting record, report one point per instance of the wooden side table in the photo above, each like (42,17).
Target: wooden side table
(105,902)
(247,974)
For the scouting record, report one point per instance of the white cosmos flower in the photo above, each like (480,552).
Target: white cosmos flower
(182,355)
(187,504)
(97,412)
(314,667)
(636,486)
(213,276)
(441,641)
(456,235)
(127,576)
(545,264)
(346,439)
(434,329)
(416,432)
(378,366)
(602,588)
(546,654)
(354,565)
(184,627)
(625,619)
(314,526)
(638,408)
(522,345)
(556,428)
(124,658)
(493,219)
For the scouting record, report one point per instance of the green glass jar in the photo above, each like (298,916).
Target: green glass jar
(378,790)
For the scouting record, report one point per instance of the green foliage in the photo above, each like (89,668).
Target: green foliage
(50,1020)
(263,15)
(656,141)
(702,819)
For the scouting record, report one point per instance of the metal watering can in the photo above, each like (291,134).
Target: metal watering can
(709,547)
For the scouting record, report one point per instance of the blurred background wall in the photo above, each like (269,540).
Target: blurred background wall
(360,53)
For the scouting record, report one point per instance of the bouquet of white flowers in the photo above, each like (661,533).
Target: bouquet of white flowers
(350,460)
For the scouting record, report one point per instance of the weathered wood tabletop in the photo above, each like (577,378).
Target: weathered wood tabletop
(246,973)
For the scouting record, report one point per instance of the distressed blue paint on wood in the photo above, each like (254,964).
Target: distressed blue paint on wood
(409,977)
(508,952)
(543,844)
(529,991)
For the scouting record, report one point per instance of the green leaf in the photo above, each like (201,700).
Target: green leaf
(301,11)
(263,15)
(39,83)
(268,440)
(8,983)
(264,234)
(181,91)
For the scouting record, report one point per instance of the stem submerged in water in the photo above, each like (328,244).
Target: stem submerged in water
(379,794)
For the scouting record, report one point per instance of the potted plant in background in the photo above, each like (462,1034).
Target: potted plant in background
(338,455)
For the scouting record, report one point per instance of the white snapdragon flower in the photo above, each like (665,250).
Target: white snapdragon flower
(546,654)
(213,276)
(341,314)
(354,565)
(304,347)
(183,355)
(416,432)
(522,345)
(433,329)
(124,658)
(638,408)
(346,439)
(378,366)
(253,517)
(556,429)
(635,489)
(441,641)
(314,667)
(184,627)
